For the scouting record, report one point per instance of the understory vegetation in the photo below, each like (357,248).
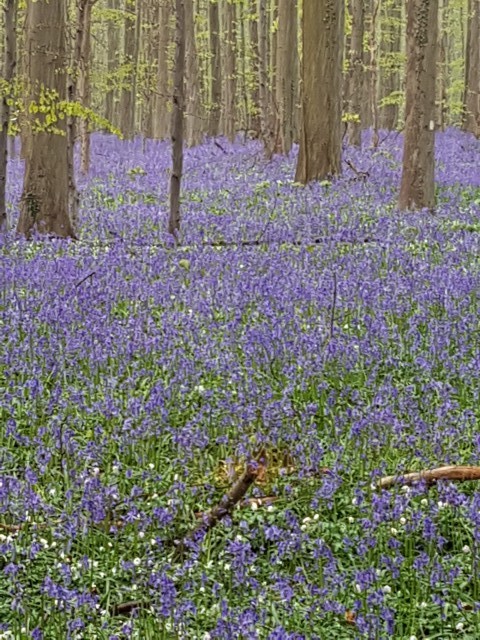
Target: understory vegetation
(312,329)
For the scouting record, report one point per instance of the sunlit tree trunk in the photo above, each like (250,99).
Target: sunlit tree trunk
(442,66)
(417,188)
(8,71)
(321,137)
(266,110)
(45,198)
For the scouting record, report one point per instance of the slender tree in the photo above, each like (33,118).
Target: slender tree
(111,110)
(45,199)
(193,124)
(417,188)
(161,126)
(286,73)
(230,84)
(356,75)
(84,89)
(177,119)
(321,137)
(471,101)
(8,71)
(215,68)
(128,93)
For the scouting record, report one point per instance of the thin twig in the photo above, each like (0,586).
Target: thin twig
(334,304)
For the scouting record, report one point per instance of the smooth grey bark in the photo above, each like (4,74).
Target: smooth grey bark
(161,124)
(230,80)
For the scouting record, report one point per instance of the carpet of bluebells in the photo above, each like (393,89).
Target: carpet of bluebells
(316,324)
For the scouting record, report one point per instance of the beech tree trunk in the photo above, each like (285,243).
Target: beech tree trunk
(286,73)
(255,124)
(193,124)
(356,75)
(266,111)
(177,120)
(112,64)
(389,84)
(417,190)
(8,71)
(471,118)
(127,95)
(45,199)
(85,20)
(216,84)
(229,117)
(161,126)
(321,137)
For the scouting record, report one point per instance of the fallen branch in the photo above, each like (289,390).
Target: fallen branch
(430,476)
(209,520)
(224,507)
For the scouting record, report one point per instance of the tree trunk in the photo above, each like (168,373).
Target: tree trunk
(374,71)
(45,199)
(417,188)
(321,137)
(85,19)
(389,84)
(266,112)
(286,73)
(255,124)
(177,120)
(8,71)
(471,102)
(229,118)
(442,66)
(216,87)
(193,124)
(356,75)
(127,96)
(162,119)
(112,65)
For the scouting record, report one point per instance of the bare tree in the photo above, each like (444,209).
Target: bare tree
(45,199)
(255,124)
(177,119)
(8,71)
(84,91)
(111,111)
(131,44)
(321,137)
(417,188)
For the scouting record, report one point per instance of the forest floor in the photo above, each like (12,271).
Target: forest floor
(313,329)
